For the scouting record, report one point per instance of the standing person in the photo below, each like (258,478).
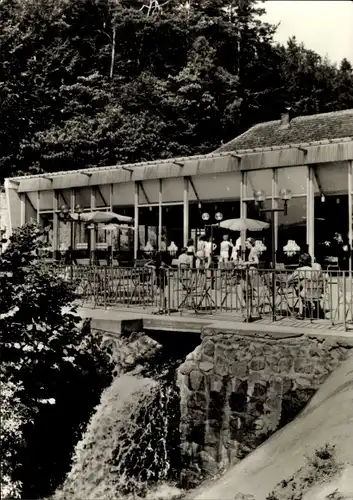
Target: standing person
(184,260)
(70,257)
(191,252)
(253,257)
(210,247)
(200,254)
(226,245)
(236,251)
(343,251)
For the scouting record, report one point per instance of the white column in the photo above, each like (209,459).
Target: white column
(310,210)
(136,220)
(350,209)
(186,212)
(275,202)
(110,234)
(23,209)
(38,207)
(93,230)
(243,205)
(111,192)
(73,224)
(160,199)
(55,222)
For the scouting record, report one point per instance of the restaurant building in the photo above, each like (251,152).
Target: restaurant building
(312,156)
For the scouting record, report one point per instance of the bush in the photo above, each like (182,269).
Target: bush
(56,368)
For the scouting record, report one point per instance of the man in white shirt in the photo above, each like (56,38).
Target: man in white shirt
(184,259)
(226,245)
(208,251)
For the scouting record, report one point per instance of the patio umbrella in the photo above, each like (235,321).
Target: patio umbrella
(244,224)
(114,227)
(99,216)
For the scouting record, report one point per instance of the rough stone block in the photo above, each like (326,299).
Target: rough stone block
(303,365)
(221,366)
(208,463)
(272,364)
(216,384)
(257,364)
(285,364)
(302,381)
(208,348)
(206,366)
(187,367)
(239,369)
(195,380)
(254,376)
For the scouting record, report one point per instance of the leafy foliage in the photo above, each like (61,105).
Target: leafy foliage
(98,82)
(51,367)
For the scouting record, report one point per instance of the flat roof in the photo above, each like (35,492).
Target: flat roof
(305,153)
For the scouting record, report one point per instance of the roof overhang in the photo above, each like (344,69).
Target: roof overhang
(261,158)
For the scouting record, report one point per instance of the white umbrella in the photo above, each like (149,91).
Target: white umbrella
(243,224)
(99,216)
(114,227)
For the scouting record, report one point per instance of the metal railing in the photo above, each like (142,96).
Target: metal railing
(251,293)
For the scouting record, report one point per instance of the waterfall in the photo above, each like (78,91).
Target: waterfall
(131,446)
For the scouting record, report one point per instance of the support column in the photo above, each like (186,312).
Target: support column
(186,212)
(111,191)
(55,224)
(243,206)
(275,204)
(38,207)
(310,211)
(350,210)
(136,220)
(160,215)
(110,234)
(93,229)
(23,209)
(73,224)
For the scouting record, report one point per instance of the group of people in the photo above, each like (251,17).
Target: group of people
(205,254)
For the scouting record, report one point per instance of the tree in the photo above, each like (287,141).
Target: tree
(50,361)
(99,82)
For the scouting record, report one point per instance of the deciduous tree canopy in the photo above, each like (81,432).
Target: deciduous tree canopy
(98,82)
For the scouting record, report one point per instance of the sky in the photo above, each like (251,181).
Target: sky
(323,26)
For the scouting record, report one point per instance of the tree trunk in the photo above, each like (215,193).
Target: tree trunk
(112,54)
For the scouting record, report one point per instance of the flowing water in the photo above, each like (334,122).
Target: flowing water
(131,447)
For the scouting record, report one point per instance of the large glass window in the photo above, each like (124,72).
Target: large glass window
(292,227)
(263,239)
(122,239)
(30,206)
(197,226)
(331,210)
(148,230)
(172,230)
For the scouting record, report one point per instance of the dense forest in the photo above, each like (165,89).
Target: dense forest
(99,82)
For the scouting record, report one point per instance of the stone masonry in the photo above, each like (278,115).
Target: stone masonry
(236,390)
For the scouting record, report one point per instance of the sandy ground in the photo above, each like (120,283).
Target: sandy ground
(327,419)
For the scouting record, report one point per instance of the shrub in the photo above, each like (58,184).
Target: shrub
(55,366)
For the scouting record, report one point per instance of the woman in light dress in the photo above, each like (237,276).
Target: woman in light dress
(200,253)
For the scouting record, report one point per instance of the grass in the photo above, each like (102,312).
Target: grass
(318,468)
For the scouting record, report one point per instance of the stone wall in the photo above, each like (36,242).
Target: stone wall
(236,390)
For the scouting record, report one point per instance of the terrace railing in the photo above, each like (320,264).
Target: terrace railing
(250,293)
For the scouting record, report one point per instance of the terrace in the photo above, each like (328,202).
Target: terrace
(321,300)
